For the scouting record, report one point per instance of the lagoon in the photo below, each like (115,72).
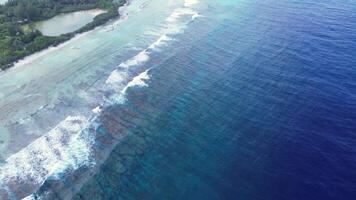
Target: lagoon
(250,100)
(67,22)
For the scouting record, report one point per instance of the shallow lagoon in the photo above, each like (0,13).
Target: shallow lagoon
(67,22)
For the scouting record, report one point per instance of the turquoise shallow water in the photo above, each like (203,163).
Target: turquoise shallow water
(235,100)
(69,80)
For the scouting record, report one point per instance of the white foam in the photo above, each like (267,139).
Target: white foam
(196,15)
(116,77)
(137,81)
(189,3)
(65,146)
(68,145)
(173,26)
(161,40)
(179,12)
(136,60)
(31,197)
(96,110)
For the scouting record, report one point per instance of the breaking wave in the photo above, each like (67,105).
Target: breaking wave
(173,26)
(137,81)
(67,147)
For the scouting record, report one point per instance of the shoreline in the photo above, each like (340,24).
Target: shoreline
(46,167)
(26,62)
(64,39)
(37,55)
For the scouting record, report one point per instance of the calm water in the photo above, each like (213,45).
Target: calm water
(230,99)
(257,101)
(67,22)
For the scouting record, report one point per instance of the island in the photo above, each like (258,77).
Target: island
(19,37)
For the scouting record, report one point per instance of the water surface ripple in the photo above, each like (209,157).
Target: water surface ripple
(217,99)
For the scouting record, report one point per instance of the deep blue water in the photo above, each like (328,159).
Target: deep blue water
(256,100)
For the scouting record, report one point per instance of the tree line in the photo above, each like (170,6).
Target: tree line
(16,43)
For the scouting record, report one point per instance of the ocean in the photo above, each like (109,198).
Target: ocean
(209,99)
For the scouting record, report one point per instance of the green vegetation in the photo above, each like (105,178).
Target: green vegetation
(16,43)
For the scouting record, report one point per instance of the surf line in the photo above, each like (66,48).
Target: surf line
(172,27)
(68,145)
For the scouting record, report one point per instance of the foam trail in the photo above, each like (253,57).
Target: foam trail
(136,60)
(179,12)
(97,110)
(172,28)
(162,40)
(116,77)
(31,197)
(196,15)
(65,146)
(68,145)
(137,81)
